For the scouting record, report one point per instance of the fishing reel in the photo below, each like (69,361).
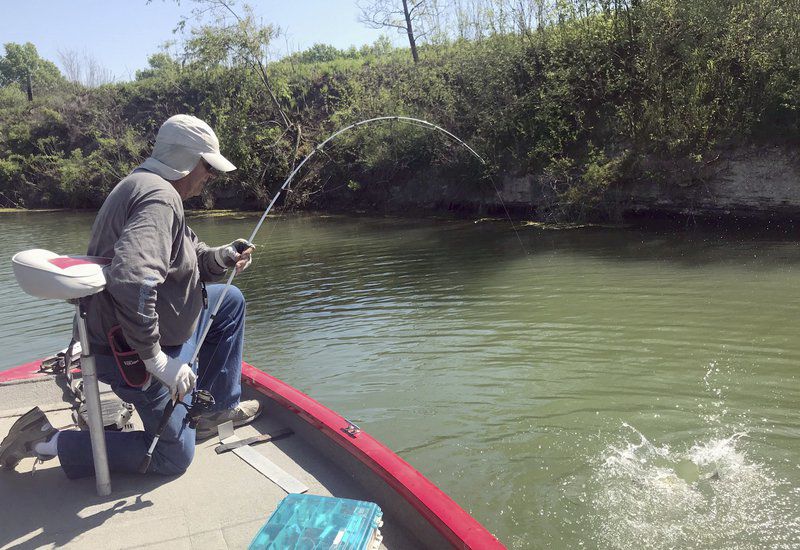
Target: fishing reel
(202,401)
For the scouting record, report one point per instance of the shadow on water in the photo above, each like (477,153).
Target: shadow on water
(688,247)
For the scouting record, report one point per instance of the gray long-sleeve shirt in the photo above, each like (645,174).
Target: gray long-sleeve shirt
(153,283)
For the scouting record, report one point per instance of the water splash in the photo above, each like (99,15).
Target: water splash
(711,495)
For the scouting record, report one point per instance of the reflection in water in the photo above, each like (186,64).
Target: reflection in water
(505,374)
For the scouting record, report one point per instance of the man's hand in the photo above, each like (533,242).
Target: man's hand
(172,372)
(238,254)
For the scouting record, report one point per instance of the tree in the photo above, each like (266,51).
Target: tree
(319,53)
(22,65)
(162,64)
(408,16)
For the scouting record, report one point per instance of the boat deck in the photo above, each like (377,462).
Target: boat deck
(220,502)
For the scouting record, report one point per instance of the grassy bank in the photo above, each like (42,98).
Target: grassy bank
(647,93)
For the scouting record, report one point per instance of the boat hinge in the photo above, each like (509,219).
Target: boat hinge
(352,429)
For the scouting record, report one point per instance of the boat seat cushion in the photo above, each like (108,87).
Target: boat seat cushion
(45,274)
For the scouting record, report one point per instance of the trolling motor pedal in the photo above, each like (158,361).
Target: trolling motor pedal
(116,415)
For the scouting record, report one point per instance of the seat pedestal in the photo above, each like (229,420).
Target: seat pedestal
(91,390)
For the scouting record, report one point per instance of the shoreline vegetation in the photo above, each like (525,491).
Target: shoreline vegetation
(576,112)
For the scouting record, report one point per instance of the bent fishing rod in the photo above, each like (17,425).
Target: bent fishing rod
(403,119)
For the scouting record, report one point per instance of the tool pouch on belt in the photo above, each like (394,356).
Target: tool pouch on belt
(130,365)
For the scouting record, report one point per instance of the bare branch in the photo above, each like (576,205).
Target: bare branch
(84,69)
(415,6)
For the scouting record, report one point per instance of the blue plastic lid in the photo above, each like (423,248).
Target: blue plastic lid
(315,522)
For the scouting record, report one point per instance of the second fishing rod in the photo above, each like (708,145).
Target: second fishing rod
(202,400)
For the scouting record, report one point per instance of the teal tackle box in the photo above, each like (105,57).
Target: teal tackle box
(306,522)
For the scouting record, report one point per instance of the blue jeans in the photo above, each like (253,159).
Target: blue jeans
(219,371)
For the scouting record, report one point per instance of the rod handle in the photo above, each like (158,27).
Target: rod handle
(145,464)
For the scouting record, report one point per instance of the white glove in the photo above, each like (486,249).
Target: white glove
(236,254)
(171,372)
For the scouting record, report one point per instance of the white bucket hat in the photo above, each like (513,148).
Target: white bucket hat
(180,144)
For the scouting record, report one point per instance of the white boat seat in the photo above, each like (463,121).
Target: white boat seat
(45,274)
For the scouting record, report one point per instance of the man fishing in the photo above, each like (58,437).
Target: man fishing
(145,326)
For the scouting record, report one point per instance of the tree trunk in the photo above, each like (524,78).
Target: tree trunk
(30,87)
(410,30)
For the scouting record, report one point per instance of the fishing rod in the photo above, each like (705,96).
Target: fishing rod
(403,119)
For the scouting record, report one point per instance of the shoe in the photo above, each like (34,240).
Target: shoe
(29,429)
(244,413)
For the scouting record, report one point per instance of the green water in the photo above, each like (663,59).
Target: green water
(595,388)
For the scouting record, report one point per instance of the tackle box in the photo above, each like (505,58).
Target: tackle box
(315,522)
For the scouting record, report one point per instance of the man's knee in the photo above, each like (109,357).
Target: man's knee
(232,303)
(175,459)
(233,307)
(235,296)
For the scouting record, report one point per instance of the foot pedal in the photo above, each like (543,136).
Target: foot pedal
(116,414)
